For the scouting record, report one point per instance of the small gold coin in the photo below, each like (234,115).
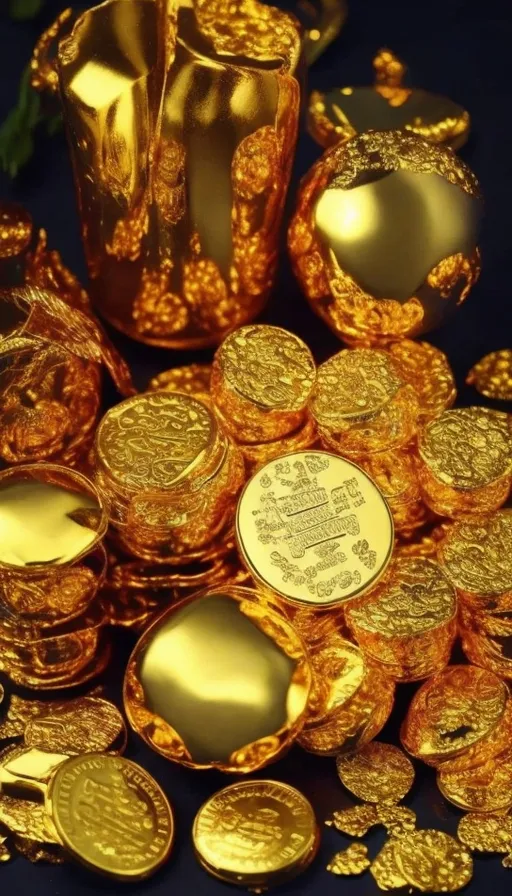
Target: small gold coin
(476,553)
(314,528)
(111,815)
(350,861)
(355,821)
(256,833)
(384,869)
(84,725)
(486,788)
(433,862)
(484,832)
(192,379)
(378,773)
(492,375)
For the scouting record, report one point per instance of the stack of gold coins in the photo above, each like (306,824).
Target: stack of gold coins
(408,623)
(52,563)
(459,719)
(476,554)
(262,379)
(465,461)
(169,475)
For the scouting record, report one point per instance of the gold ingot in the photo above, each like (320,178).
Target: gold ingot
(361,403)
(183,124)
(394,473)
(50,381)
(383,240)
(458,718)
(428,370)
(219,681)
(276,837)
(262,379)
(192,379)
(339,114)
(492,375)
(168,473)
(379,773)
(408,623)
(52,560)
(314,530)
(465,461)
(476,555)
(433,862)
(487,788)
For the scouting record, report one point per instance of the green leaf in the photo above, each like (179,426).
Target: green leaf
(17,131)
(54,124)
(24,9)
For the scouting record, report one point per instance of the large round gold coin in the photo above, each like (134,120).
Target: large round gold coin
(256,833)
(486,788)
(314,528)
(111,815)
(379,773)
(433,862)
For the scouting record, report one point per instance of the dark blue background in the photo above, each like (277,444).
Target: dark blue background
(461,48)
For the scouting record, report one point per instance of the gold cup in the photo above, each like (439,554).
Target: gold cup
(182,127)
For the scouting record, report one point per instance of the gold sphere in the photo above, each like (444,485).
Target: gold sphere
(220,680)
(383,239)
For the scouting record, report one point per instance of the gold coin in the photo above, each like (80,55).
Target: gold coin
(314,528)
(384,869)
(192,379)
(467,448)
(398,820)
(486,788)
(378,773)
(433,862)
(428,370)
(476,554)
(255,833)
(492,375)
(484,832)
(453,711)
(111,815)
(355,821)
(339,668)
(84,725)
(353,860)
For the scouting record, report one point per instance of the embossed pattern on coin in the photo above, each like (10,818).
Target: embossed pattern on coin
(314,528)
(111,815)
(492,375)
(254,832)
(476,553)
(486,788)
(433,861)
(384,869)
(350,861)
(428,370)
(340,670)
(353,383)
(84,725)
(484,832)
(378,773)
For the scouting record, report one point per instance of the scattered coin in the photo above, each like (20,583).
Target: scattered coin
(84,725)
(398,820)
(433,862)
(492,375)
(486,788)
(485,832)
(356,821)
(378,773)
(385,871)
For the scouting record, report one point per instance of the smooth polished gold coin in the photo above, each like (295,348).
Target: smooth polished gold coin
(433,862)
(486,788)
(256,833)
(476,554)
(84,725)
(314,529)
(455,710)
(378,773)
(492,375)
(111,815)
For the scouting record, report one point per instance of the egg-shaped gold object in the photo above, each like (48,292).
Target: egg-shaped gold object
(384,236)
(220,680)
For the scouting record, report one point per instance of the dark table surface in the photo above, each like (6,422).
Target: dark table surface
(460,48)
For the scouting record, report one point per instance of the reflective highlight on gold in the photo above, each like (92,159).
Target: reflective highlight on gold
(492,375)
(487,788)
(484,832)
(394,473)
(83,725)
(255,834)
(433,862)
(428,370)
(339,114)
(182,126)
(362,240)
(379,773)
(220,680)
(193,379)
(44,269)
(15,229)
(351,861)
(476,555)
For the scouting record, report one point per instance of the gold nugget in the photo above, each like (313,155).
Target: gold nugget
(492,375)
(385,870)
(485,832)
(351,861)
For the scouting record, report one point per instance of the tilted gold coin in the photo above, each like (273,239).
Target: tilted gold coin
(384,869)
(453,711)
(492,375)
(339,669)
(314,528)
(111,815)
(192,379)
(353,860)
(378,773)
(433,862)
(84,725)
(485,832)
(428,370)
(476,554)
(256,833)
(486,788)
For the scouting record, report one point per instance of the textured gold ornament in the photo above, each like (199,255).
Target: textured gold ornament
(398,820)
(363,209)
(351,861)
(45,269)
(339,114)
(314,529)
(256,833)
(339,670)
(20,710)
(492,375)
(465,461)
(228,644)
(356,821)
(378,773)
(487,788)
(433,862)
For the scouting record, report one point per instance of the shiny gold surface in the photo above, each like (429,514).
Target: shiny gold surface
(487,788)
(323,20)
(428,370)
(485,832)
(339,671)
(15,229)
(476,555)
(182,131)
(492,375)
(219,680)
(383,240)
(394,473)
(83,725)
(193,379)
(111,815)
(379,773)
(314,529)
(353,860)
(45,269)
(256,833)
(433,862)
(339,114)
